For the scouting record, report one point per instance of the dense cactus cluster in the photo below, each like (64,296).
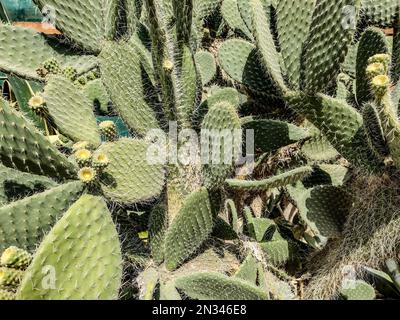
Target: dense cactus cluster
(308,90)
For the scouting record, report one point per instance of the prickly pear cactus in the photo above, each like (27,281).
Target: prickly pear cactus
(200,149)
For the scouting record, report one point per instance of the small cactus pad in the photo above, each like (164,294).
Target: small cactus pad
(71,111)
(158,224)
(357,290)
(22,147)
(216,286)
(96,92)
(14,257)
(206,65)
(23,223)
(130,176)
(191,227)
(79,259)
(279,252)
(248,270)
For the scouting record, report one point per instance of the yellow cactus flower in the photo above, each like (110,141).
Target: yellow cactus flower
(87,175)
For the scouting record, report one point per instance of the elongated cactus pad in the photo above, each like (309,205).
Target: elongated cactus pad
(79,259)
(23,223)
(121,74)
(221,121)
(215,286)
(71,111)
(130,177)
(265,43)
(373,41)
(24,148)
(293,22)
(331,33)
(191,227)
(374,130)
(158,223)
(147,282)
(280,180)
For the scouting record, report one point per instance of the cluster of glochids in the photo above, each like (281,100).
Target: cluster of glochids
(52,66)
(91,165)
(13,263)
(378,72)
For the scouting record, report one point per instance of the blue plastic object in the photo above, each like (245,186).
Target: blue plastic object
(19,10)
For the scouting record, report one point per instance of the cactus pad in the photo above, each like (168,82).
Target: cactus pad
(130,177)
(357,290)
(24,148)
(24,50)
(85,23)
(215,286)
(15,185)
(240,60)
(324,208)
(71,111)
(82,253)
(121,74)
(191,227)
(220,118)
(277,181)
(328,42)
(24,222)
(206,65)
